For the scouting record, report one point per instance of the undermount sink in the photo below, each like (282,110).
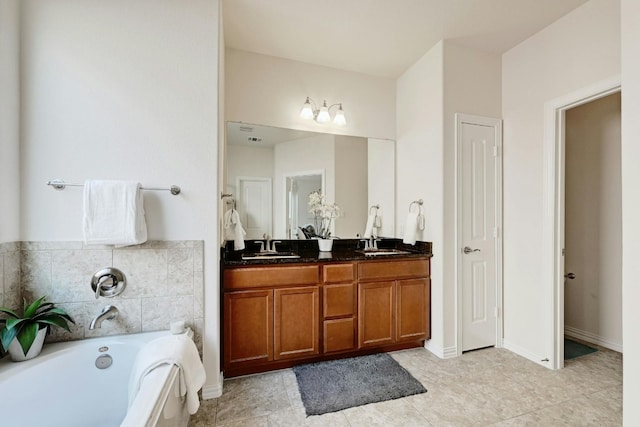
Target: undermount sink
(270,255)
(377,252)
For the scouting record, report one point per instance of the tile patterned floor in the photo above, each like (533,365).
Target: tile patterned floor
(486,387)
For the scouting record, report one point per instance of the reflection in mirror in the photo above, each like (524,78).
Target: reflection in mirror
(299,187)
(263,163)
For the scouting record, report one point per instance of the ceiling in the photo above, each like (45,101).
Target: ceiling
(381,37)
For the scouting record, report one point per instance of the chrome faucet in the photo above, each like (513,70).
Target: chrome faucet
(267,242)
(108,313)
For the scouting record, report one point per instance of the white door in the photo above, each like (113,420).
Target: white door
(478,229)
(254,206)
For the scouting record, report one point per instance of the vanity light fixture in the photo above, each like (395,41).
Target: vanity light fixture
(322,114)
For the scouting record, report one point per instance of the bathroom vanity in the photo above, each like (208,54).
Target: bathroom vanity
(278,312)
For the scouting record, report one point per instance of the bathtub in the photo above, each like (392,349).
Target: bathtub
(64,387)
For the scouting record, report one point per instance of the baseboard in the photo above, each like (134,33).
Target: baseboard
(442,353)
(213,391)
(520,351)
(591,338)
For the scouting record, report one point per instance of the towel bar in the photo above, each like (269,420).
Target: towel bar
(59,184)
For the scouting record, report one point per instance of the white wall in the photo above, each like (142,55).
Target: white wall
(270,91)
(9,121)
(630,208)
(351,178)
(579,49)
(124,90)
(420,168)
(448,79)
(593,218)
(472,85)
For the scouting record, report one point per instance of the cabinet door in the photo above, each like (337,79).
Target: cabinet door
(412,309)
(297,322)
(248,327)
(376,314)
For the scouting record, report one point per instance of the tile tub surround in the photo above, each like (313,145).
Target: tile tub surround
(165,283)
(484,387)
(10,295)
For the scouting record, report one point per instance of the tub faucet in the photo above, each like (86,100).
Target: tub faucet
(108,313)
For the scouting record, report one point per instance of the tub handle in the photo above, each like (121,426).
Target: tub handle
(108,282)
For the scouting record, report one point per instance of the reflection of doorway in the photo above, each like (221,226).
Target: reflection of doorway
(552,258)
(254,206)
(298,188)
(592,225)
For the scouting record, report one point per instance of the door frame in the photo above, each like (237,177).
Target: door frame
(553,209)
(496,123)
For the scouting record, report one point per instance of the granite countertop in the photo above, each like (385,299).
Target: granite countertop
(343,250)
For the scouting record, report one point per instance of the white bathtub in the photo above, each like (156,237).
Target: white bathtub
(63,387)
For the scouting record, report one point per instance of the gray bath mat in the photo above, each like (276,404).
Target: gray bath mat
(339,384)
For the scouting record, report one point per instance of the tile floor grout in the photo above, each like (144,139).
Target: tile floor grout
(491,387)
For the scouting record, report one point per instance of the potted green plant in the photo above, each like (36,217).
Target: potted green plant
(23,336)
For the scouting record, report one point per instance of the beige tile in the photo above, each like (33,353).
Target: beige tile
(198,294)
(12,289)
(251,397)
(49,246)
(399,412)
(146,272)
(248,422)
(72,271)
(159,312)
(297,417)
(35,274)
(2,280)
(180,271)
(206,415)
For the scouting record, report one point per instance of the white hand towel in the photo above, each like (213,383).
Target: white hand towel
(233,229)
(178,350)
(411,228)
(371,221)
(113,213)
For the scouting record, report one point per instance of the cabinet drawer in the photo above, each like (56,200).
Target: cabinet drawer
(338,300)
(256,277)
(336,273)
(339,335)
(393,269)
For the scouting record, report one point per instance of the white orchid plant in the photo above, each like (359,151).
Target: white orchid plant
(323,212)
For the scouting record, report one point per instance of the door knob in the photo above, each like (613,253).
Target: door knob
(468,250)
(570,276)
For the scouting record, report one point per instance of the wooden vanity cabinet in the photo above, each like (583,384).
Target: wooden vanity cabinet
(296,324)
(270,314)
(393,302)
(339,307)
(276,316)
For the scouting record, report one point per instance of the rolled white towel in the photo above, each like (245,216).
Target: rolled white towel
(411,229)
(233,229)
(371,220)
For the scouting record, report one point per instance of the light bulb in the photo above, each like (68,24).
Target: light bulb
(323,114)
(339,119)
(307,110)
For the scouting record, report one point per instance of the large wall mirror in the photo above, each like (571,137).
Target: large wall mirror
(271,172)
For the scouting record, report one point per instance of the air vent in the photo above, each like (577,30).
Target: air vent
(246,129)
(255,139)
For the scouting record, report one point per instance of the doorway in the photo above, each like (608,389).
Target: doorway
(554,210)
(298,188)
(593,224)
(478,232)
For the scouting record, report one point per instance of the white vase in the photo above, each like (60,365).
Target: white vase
(325,245)
(15,349)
